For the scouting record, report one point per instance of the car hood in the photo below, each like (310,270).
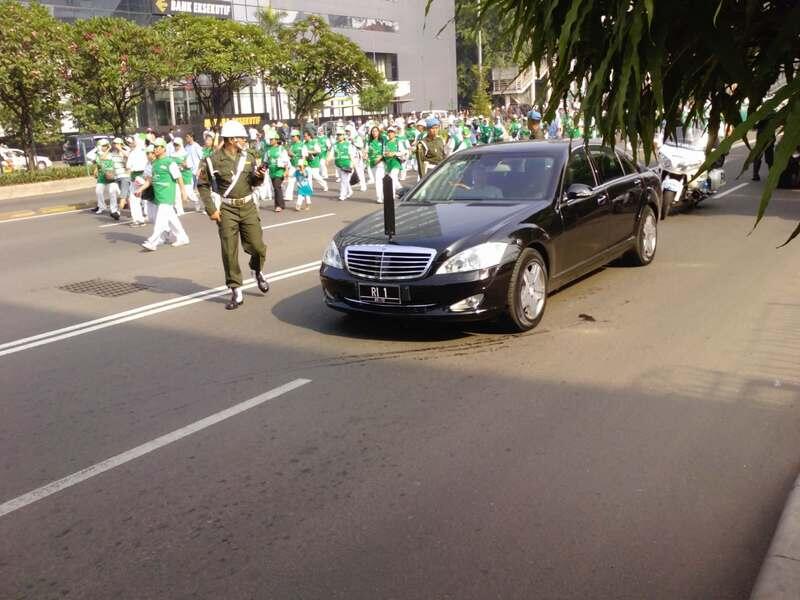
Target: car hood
(438,226)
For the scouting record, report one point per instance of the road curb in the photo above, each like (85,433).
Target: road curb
(779,578)
(26,190)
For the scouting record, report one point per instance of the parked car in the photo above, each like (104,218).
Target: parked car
(77,146)
(493,230)
(17,162)
(42,162)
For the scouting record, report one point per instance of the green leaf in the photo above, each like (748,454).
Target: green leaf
(783,152)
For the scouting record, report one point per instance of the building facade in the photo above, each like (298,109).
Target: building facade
(414,50)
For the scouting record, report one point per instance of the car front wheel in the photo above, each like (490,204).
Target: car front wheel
(527,291)
(646,238)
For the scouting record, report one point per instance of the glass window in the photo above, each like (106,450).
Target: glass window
(386,63)
(579,170)
(608,167)
(627,163)
(487,177)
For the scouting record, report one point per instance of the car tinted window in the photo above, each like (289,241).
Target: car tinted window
(490,176)
(579,170)
(608,166)
(627,164)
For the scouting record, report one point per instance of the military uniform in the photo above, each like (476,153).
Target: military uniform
(430,152)
(239,215)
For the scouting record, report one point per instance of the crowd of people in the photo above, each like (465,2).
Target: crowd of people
(157,176)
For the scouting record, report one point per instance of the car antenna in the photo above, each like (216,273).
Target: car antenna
(389,224)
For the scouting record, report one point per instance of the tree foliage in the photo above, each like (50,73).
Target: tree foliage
(636,64)
(33,67)
(115,62)
(217,56)
(496,51)
(376,97)
(481,102)
(316,64)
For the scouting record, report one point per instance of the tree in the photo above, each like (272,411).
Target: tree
(317,64)
(638,63)
(217,56)
(496,51)
(33,67)
(115,62)
(375,98)
(481,103)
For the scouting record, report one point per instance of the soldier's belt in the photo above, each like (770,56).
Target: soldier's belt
(237,202)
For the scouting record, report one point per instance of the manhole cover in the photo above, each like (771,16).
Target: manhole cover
(103,287)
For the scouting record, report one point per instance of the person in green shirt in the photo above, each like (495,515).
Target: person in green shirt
(344,157)
(180,157)
(297,152)
(393,158)
(166,182)
(277,161)
(377,167)
(225,182)
(325,149)
(514,128)
(103,170)
(314,157)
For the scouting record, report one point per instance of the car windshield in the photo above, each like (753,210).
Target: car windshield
(487,177)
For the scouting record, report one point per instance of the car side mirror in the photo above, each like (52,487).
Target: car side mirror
(578,190)
(401,192)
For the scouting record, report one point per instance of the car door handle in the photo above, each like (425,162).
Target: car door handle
(637,182)
(601,199)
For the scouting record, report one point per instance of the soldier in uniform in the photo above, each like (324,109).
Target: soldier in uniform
(430,149)
(225,183)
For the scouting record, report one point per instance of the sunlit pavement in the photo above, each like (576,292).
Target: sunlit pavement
(639,443)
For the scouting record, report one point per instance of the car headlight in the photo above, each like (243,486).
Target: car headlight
(332,258)
(476,258)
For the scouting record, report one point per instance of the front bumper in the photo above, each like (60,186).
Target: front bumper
(426,298)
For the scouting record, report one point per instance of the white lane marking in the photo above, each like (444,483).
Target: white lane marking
(267,227)
(58,214)
(300,220)
(730,191)
(139,451)
(141,312)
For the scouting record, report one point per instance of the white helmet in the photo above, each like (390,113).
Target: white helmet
(233,129)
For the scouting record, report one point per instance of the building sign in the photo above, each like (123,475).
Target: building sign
(212,9)
(246,120)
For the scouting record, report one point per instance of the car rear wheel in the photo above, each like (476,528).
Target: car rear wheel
(646,238)
(41,165)
(527,291)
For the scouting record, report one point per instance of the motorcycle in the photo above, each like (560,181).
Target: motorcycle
(678,164)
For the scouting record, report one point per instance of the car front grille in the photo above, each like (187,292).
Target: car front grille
(388,262)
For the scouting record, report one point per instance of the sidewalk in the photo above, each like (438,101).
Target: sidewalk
(779,578)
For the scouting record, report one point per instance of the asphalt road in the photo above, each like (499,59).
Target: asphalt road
(638,444)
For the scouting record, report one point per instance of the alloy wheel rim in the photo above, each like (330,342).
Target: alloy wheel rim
(532,291)
(650,237)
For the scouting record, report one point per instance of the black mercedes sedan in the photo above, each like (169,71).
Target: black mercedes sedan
(493,230)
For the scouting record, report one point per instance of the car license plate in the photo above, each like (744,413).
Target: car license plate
(379,294)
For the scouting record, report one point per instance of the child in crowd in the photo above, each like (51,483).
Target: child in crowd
(303,186)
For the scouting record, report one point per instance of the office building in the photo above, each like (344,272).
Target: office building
(415,51)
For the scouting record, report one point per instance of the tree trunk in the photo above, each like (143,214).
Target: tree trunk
(28,141)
